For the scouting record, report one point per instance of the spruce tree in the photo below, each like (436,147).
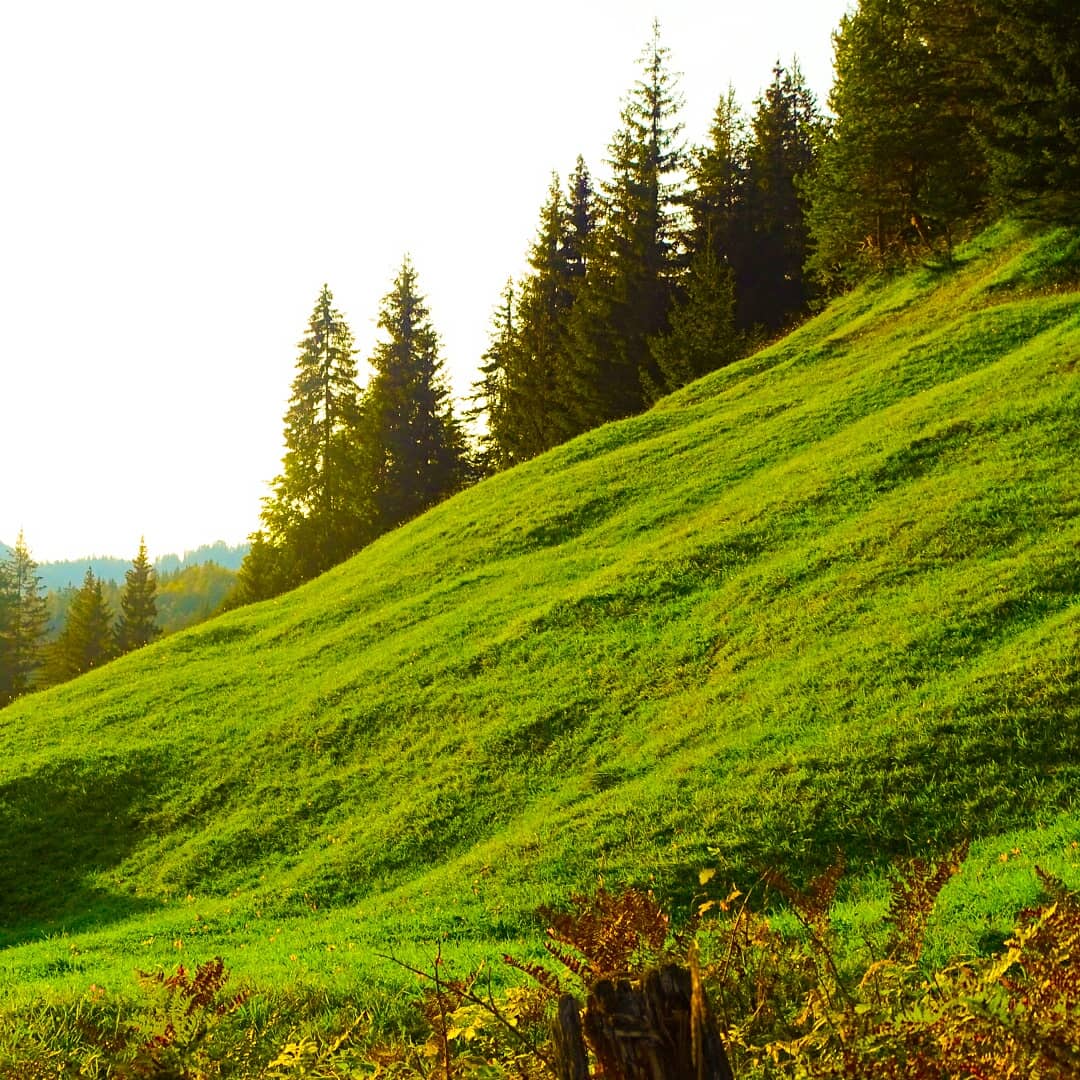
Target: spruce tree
(526,383)
(87,639)
(703,332)
(262,574)
(538,389)
(22,622)
(137,625)
(785,130)
(534,362)
(491,410)
(318,513)
(703,335)
(717,200)
(634,258)
(581,216)
(417,450)
(1030,55)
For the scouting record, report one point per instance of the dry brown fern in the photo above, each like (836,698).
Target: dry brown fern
(609,934)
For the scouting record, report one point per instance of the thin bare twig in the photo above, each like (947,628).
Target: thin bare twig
(488,1006)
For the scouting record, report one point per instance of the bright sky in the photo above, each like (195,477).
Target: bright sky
(180,178)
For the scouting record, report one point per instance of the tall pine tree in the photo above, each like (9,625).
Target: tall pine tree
(262,574)
(492,398)
(537,391)
(318,513)
(416,447)
(635,254)
(703,333)
(535,362)
(703,336)
(137,624)
(785,130)
(718,176)
(22,622)
(578,241)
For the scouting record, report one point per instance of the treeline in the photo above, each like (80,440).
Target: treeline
(683,259)
(599,330)
(48,638)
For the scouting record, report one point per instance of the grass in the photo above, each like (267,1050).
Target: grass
(825,599)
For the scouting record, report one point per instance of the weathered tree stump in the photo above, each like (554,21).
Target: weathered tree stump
(571,1058)
(657,1028)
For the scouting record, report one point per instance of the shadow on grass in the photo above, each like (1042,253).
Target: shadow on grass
(1006,758)
(63,825)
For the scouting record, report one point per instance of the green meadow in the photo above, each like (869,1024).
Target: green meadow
(824,600)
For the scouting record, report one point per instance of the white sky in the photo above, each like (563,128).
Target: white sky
(178,179)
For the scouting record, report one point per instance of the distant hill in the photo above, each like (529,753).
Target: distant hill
(826,599)
(70,572)
(219,552)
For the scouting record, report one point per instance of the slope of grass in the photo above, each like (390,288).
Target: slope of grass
(825,599)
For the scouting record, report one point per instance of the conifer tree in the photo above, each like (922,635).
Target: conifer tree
(491,405)
(318,513)
(634,257)
(417,451)
(717,200)
(785,130)
(570,270)
(530,354)
(261,574)
(87,640)
(535,361)
(1030,56)
(581,219)
(137,624)
(901,166)
(703,335)
(22,622)
(538,389)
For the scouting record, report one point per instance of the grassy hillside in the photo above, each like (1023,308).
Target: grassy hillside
(827,598)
